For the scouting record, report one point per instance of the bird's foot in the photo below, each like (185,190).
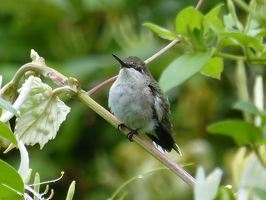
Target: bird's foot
(130,134)
(120,126)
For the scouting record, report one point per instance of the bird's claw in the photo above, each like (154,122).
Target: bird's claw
(120,126)
(130,135)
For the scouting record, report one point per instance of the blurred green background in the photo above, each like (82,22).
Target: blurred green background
(77,38)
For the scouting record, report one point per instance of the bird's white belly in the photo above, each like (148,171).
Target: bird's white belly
(131,106)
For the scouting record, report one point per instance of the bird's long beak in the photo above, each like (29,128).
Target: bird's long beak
(120,61)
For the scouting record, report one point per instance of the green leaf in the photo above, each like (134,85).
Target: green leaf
(242,132)
(243,39)
(10,182)
(213,68)
(197,39)
(211,19)
(162,32)
(7,133)
(183,68)
(247,106)
(6,105)
(188,18)
(212,24)
(41,115)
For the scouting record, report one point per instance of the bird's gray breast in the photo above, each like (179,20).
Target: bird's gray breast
(132,105)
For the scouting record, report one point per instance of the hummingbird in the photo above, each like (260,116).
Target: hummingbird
(136,100)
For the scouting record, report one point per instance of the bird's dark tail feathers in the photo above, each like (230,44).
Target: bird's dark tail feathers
(164,139)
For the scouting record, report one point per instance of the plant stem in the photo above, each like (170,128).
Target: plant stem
(162,51)
(199,4)
(47,72)
(110,80)
(229,56)
(243,5)
(147,146)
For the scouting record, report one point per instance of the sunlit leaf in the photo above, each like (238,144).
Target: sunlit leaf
(10,182)
(7,133)
(211,19)
(213,68)
(241,131)
(243,39)
(188,18)
(162,32)
(197,39)
(247,106)
(183,68)
(41,115)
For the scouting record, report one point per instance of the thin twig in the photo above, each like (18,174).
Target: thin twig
(199,4)
(110,80)
(162,51)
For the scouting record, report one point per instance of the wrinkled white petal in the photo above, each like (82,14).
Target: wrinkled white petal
(41,115)
(206,188)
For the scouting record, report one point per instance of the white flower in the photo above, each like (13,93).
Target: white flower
(254,176)
(20,100)
(206,188)
(258,98)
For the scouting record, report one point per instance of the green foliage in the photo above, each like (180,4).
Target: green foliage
(198,35)
(249,107)
(200,32)
(162,32)
(190,29)
(242,132)
(213,68)
(183,68)
(11,184)
(6,133)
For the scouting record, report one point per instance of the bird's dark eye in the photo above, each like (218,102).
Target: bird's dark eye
(139,69)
